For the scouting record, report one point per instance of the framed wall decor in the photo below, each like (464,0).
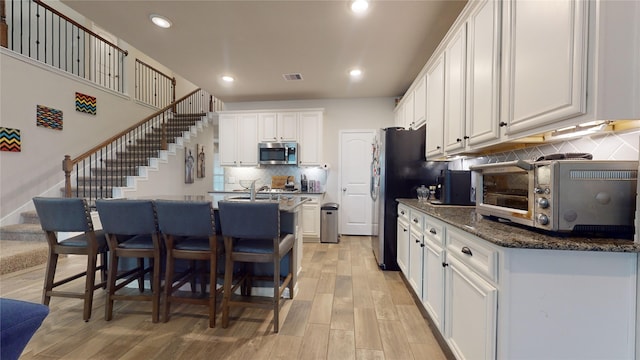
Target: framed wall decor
(86,103)
(189,165)
(48,117)
(10,139)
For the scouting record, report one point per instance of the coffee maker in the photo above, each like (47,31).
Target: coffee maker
(454,188)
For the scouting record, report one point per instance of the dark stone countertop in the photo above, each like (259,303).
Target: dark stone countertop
(511,235)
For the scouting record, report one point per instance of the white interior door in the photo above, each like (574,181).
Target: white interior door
(356,206)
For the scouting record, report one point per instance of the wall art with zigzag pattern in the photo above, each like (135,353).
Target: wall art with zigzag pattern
(10,139)
(86,103)
(49,117)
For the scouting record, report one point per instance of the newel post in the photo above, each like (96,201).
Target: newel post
(67,167)
(4,28)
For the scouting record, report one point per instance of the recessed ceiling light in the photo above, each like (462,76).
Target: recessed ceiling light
(227,78)
(359,6)
(354,73)
(160,21)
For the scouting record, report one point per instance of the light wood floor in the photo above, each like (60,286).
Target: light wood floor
(346,308)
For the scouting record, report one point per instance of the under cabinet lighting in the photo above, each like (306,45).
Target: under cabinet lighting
(160,21)
(579,130)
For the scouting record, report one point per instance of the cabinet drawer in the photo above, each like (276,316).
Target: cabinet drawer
(473,252)
(434,230)
(403,213)
(416,220)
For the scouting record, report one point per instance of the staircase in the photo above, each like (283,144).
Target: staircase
(24,245)
(114,171)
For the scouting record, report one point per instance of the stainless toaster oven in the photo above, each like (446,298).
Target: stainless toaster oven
(560,195)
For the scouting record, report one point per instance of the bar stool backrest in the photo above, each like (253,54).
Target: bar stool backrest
(63,214)
(250,220)
(127,217)
(185,218)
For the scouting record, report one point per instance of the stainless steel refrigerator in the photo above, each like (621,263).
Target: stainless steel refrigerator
(398,168)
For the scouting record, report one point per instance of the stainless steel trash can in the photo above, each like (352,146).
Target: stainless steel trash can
(329,223)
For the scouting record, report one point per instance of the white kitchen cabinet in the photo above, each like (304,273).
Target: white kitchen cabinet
(420,102)
(311,217)
(483,83)
(403,238)
(409,111)
(398,115)
(433,270)
(310,135)
(435,108)
(416,245)
(455,70)
(544,63)
(238,139)
(278,127)
(470,312)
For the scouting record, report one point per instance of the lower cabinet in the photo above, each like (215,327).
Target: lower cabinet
(403,239)
(470,312)
(492,302)
(311,218)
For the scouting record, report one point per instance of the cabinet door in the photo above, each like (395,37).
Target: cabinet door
(247,139)
(435,108)
(545,62)
(470,312)
(483,84)
(310,144)
(420,102)
(311,219)
(409,111)
(403,247)
(227,140)
(399,116)
(454,91)
(415,260)
(267,128)
(433,282)
(288,127)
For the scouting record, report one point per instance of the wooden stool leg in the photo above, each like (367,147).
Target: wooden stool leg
(228,278)
(155,289)
(276,293)
(212,289)
(89,285)
(111,286)
(168,284)
(52,263)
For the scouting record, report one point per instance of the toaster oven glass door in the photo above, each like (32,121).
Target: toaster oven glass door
(508,190)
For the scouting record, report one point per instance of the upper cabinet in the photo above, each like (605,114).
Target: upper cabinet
(435,108)
(238,139)
(455,70)
(545,63)
(310,135)
(483,82)
(420,103)
(278,127)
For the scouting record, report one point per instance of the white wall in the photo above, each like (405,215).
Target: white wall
(37,169)
(339,114)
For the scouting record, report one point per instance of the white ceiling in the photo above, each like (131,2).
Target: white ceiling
(259,41)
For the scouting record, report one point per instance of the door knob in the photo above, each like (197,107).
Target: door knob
(344,189)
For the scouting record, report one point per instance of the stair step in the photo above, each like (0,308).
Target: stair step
(22,232)
(104,181)
(30,217)
(19,255)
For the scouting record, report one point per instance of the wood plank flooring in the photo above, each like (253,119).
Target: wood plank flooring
(346,308)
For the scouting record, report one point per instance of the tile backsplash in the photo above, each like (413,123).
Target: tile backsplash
(610,146)
(264,173)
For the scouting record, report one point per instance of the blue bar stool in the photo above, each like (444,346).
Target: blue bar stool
(132,232)
(251,232)
(71,215)
(189,232)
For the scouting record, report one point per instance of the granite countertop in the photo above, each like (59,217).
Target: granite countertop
(511,235)
(286,202)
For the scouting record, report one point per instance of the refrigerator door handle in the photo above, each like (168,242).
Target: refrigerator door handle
(372,186)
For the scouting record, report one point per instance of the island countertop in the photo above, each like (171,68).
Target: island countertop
(515,236)
(286,202)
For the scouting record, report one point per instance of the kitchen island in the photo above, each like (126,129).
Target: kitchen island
(495,290)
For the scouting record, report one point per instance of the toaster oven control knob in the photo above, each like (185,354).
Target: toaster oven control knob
(543,219)
(538,190)
(543,203)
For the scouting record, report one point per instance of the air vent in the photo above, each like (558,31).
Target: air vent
(292,77)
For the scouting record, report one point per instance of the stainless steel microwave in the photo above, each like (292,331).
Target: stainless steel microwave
(278,153)
(560,195)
